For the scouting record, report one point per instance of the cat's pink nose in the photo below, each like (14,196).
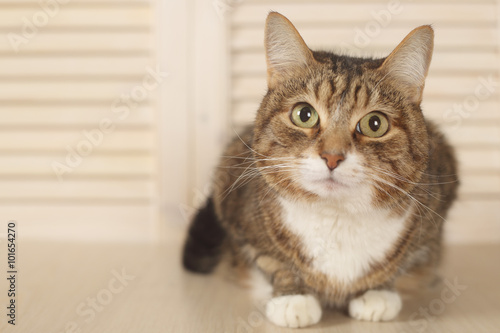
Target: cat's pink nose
(332,160)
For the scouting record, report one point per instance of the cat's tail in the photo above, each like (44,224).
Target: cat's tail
(203,247)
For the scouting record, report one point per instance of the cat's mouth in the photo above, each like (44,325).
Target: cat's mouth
(333,181)
(316,178)
(330,182)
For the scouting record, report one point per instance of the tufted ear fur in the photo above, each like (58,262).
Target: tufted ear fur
(286,51)
(409,63)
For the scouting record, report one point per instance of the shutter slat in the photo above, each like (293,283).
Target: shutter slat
(71,189)
(479,159)
(74,65)
(100,139)
(463,224)
(67,116)
(352,13)
(64,43)
(482,184)
(454,38)
(125,164)
(83,90)
(68,16)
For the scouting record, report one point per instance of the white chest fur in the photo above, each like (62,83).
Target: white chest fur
(343,245)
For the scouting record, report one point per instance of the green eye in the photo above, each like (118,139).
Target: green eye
(373,125)
(303,115)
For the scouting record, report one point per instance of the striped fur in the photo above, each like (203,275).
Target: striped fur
(404,181)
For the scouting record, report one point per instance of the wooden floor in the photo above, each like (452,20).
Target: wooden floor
(139,288)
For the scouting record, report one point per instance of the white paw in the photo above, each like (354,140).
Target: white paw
(293,310)
(376,305)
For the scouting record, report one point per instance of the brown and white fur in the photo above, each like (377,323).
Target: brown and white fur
(328,215)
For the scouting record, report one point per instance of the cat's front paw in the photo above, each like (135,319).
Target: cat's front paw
(376,305)
(294,310)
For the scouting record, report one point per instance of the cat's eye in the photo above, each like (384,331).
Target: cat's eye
(303,115)
(373,125)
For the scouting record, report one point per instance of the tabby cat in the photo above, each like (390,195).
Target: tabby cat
(338,188)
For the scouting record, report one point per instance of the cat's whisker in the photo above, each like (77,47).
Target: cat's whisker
(418,210)
(254,161)
(417,184)
(428,192)
(240,155)
(250,173)
(248,164)
(373,183)
(249,148)
(441,176)
(408,195)
(293,179)
(419,213)
(399,177)
(257,158)
(272,188)
(275,166)
(232,187)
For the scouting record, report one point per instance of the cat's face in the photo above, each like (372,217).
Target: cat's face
(341,128)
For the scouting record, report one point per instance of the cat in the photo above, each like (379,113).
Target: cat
(338,188)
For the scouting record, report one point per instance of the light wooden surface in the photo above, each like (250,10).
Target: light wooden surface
(56,280)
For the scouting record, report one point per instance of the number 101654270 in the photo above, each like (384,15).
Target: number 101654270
(11,245)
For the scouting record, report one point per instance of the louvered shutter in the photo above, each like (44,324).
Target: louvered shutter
(76,91)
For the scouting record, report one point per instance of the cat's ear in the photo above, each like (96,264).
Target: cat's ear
(286,51)
(409,63)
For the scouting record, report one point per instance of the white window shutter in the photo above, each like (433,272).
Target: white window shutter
(77,93)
